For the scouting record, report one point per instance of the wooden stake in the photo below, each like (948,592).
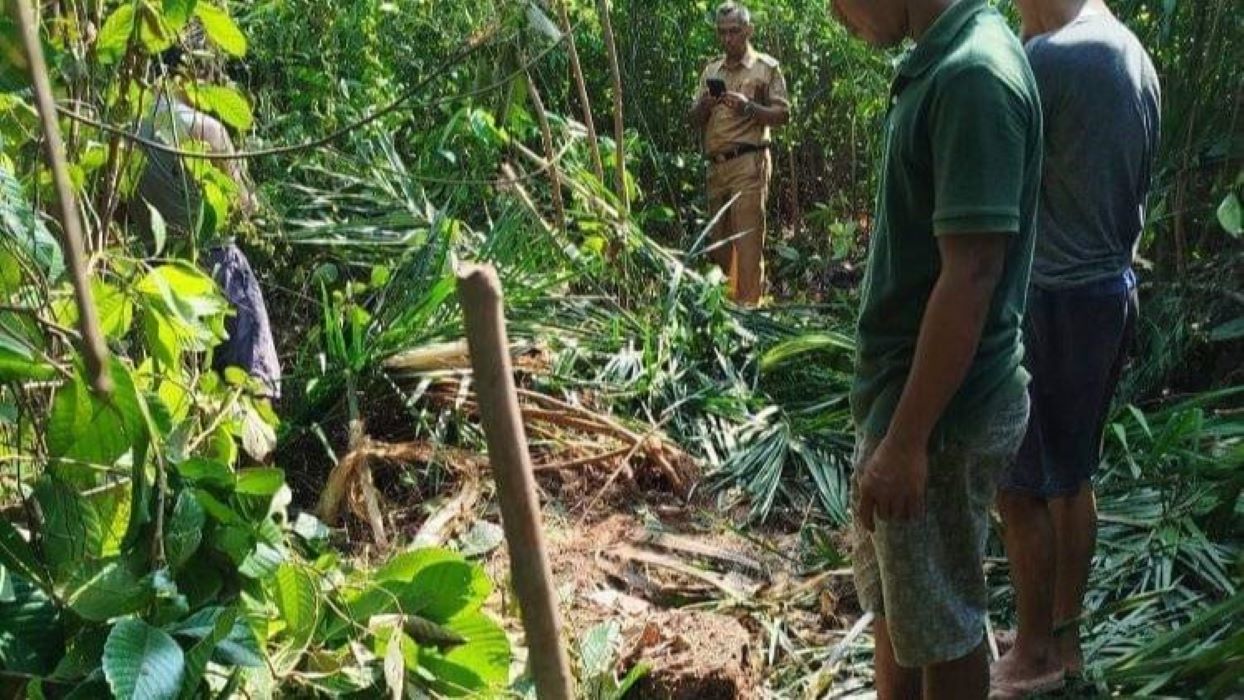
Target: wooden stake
(479,291)
(94,349)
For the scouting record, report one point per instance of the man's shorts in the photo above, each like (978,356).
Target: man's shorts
(925,576)
(250,345)
(1077,342)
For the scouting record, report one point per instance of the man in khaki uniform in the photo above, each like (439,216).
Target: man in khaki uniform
(735,128)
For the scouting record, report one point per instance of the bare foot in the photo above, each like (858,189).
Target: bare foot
(1018,675)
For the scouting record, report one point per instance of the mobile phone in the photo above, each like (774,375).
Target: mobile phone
(716,87)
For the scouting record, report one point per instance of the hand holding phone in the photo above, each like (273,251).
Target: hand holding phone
(716,87)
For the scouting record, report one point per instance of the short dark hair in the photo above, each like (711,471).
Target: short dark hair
(733,10)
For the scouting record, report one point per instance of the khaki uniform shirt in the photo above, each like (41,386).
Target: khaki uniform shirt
(758,77)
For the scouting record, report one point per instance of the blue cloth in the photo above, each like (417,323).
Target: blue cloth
(250,346)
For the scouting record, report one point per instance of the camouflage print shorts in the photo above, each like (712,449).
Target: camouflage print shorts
(925,576)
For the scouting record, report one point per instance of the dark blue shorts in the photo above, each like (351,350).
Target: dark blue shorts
(250,346)
(1076,343)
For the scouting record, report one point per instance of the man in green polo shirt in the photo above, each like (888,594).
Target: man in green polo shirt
(939,397)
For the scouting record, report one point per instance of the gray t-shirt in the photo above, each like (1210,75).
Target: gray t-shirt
(1101,101)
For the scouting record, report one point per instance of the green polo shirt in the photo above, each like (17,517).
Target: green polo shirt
(962,156)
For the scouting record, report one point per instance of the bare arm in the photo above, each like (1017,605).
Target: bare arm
(894,479)
(214,134)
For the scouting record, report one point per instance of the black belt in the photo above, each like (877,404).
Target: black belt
(740,150)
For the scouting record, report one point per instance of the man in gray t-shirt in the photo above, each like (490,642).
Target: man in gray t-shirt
(1100,102)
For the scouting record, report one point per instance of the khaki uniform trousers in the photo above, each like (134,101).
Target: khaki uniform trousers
(743,224)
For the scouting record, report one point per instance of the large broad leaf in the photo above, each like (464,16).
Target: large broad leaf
(445,589)
(18,360)
(433,583)
(21,227)
(115,307)
(183,311)
(114,36)
(208,473)
(72,536)
(481,664)
(264,481)
(237,648)
(262,562)
(86,430)
(142,662)
(178,12)
(184,531)
(221,29)
(112,591)
(297,600)
(196,660)
(112,508)
(1231,215)
(31,635)
(224,102)
(295,595)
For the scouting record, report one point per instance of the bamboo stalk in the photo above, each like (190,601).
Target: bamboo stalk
(576,70)
(619,133)
(480,295)
(94,349)
(546,135)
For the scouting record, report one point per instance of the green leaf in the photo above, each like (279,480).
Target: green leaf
(481,664)
(1231,330)
(16,554)
(115,309)
(262,562)
(31,636)
(260,482)
(178,12)
(238,648)
(432,583)
(184,531)
(95,430)
(115,35)
(159,230)
(225,102)
(71,536)
(112,507)
(598,648)
(297,600)
(196,660)
(18,361)
(142,662)
(812,342)
(207,473)
(445,589)
(20,223)
(110,592)
(221,29)
(1231,216)
(200,581)
(294,593)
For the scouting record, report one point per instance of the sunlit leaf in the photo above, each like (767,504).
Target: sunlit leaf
(221,29)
